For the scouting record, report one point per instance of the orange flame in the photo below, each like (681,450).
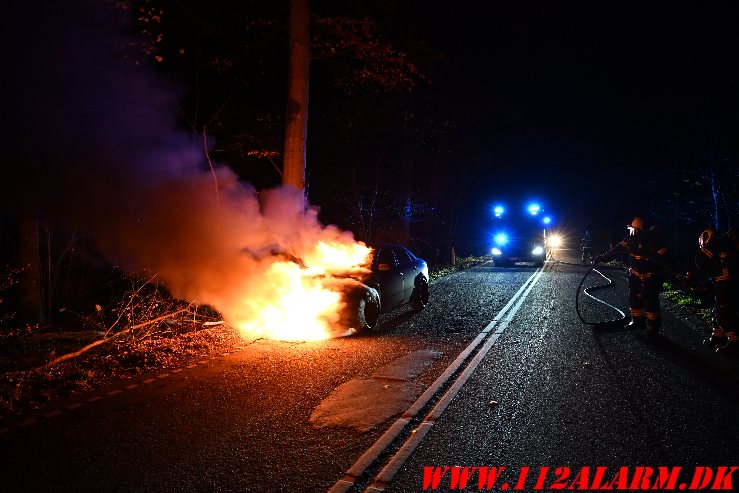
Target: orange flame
(336,258)
(301,302)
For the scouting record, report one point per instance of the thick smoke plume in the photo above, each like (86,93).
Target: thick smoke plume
(98,150)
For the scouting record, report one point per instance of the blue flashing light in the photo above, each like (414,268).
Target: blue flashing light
(501,239)
(534,209)
(546,220)
(498,210)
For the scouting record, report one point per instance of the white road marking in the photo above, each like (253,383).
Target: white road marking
(369,456)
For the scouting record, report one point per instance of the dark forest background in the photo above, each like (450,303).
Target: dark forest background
(421,115)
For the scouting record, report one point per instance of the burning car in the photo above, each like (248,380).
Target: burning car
(334,288)
(398,277)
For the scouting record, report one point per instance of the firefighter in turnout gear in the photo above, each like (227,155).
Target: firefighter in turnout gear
(647,263)
(718,260)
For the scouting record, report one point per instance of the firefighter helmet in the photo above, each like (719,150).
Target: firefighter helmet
(706,236)
(637,224)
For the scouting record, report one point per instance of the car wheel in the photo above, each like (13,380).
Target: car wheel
(366,310)
(420,295)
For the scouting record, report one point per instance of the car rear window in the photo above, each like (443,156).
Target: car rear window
(402,256)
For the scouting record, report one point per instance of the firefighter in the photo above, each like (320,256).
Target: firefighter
(648,264)
(586,247)
(718,259)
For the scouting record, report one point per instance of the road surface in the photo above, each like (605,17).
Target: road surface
(498,371)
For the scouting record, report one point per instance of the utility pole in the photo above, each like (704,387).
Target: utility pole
(296,122)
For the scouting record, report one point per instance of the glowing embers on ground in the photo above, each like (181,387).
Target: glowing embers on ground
(304,302)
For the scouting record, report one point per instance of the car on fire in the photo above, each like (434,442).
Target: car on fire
(521,236)
(398,278)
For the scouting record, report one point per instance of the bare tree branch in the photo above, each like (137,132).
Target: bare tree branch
(68,356)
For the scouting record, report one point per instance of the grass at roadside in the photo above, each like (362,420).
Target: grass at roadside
(692,303)
(439,271)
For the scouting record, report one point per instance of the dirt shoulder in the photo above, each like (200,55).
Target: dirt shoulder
(29,381)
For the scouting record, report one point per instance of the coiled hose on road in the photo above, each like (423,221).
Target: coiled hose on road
(615,321)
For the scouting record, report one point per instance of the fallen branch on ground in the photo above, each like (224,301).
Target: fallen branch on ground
(83,350)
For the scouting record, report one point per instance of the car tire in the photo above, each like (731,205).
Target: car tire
(420,296)
(366,310)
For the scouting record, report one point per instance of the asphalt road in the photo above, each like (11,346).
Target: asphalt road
(285,416)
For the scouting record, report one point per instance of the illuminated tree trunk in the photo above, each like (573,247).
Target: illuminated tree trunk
(31,307)
(296,125)
(406,173)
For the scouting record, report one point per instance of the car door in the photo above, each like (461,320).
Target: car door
(406,265)
(390,278)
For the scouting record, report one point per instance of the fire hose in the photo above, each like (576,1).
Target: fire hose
(608,282)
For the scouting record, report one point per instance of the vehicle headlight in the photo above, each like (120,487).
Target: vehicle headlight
(538,250)
(555,241)
(496,251)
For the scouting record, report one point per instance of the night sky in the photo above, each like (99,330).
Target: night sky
(578,106)
(584,104)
